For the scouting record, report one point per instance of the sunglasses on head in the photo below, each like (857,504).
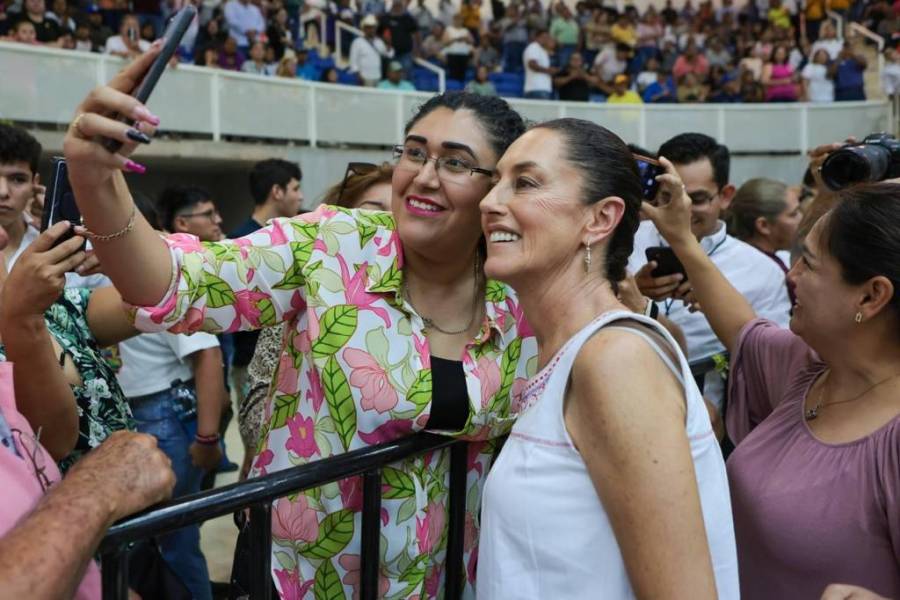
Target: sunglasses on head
(354,168)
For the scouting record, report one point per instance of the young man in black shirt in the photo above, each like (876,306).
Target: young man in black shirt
(404,33)
(574,83)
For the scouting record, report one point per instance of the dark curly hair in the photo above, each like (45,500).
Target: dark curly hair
(17,145)
(607,169)
(500,122)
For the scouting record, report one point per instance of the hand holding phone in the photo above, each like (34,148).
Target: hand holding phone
(648,169)
(59,202)
(667,262)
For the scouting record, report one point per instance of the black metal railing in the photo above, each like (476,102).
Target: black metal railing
(258,494)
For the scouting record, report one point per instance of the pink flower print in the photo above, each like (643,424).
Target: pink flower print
(245,307)
(315,393)
(372,380)
(392,245)
(355,290)
(429,529)
(185,242)
(321,213)
(421,344)
(303,440)
(523,329)
(292,588)
(473,451)
(351,564)
(392,430)
(422,420)
(433,582)
(302,340)
(319,245)
(351,493)
(470,533)
(262,461)
(294,520)
(288,377)
(298,306)
(191,321)
(472,567)
(488,373)
(516,399)
(159,313)
(275,233)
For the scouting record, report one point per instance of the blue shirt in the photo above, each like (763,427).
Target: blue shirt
(403,86)
(656,88)
(849,75)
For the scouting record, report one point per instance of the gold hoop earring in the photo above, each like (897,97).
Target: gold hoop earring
(587,258)
(858,317)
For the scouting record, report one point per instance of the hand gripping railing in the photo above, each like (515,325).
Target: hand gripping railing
(258,494)
(858,29)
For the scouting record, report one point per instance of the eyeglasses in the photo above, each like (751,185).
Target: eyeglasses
(211,214)
(450,169)
(31,445)
(354,168)
(702,198)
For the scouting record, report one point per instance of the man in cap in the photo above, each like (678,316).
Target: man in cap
(366,53)
(395,79)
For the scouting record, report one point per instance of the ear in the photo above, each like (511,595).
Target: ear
(726,196)
(876,295)
(276,192)
(762,226)
(601,220)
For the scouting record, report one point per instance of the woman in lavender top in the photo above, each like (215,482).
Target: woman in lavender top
(815,411)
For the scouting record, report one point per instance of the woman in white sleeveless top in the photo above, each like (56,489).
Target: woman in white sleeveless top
(611,484)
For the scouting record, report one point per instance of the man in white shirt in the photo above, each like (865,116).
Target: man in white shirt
(612,61)
(703,165)
(538,72)
(366,53)
(245,22)
(128,44)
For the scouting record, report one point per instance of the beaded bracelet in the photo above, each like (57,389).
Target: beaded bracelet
(208,440)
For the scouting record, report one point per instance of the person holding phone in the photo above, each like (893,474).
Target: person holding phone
(393,327)
(128,44)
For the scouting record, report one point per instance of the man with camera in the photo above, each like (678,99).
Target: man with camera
(703,165)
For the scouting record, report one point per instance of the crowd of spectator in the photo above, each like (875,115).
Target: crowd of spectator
(762,51)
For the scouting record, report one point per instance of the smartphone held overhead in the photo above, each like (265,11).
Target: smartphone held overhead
(172,38)
(648,169)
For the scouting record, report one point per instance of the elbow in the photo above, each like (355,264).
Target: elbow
(60,440)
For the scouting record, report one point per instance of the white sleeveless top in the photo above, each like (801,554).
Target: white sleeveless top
(544,532)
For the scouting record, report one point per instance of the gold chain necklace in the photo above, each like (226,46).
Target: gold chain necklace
(813,412)
(430,324)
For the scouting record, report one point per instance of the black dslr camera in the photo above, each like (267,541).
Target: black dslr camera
(877,158)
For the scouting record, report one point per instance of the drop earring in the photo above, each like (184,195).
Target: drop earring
(858,317)
(587,258)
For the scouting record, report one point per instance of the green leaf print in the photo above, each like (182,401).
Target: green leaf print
(307,231)
(267,316)
(292,279)
(377,346)
(286,560)
(328,583)
(340,401)
(271,258)
(378,219)
(335,532)
(396,484)
(495,291)
(420,391)
(283,409)
(217,291)
(366,233)
(335,328)
(407,510)
(415,573)
(301,252)
(390,281)
(507,375)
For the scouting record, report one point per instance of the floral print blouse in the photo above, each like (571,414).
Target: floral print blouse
(354,371)
(102,407)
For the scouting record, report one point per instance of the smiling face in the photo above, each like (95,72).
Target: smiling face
(534,218)
(707,200)
(436,212)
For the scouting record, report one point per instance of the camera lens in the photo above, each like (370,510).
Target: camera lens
(855,164)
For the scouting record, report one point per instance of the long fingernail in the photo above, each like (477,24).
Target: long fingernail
(133,167)
(142,114)
(157,44)
(136,136)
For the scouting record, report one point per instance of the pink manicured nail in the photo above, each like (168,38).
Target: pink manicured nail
(133,167)
(142,114)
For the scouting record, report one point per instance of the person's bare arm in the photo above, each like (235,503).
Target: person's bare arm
(724,307)
(138,262)
(108,318)
(626,414)
(46,554)
(209,380)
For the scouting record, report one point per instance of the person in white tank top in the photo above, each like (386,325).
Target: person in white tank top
(611,484)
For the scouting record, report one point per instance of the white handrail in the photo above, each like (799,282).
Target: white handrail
(879,42)
(323,38)
(441,73)
(339,59)
(838,23)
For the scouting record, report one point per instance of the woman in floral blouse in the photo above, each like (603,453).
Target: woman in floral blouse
(383,311)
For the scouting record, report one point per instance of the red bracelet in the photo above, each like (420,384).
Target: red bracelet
(209,440)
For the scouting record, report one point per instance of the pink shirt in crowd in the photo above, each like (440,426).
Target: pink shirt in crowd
(806,513)
(20,483)
(683,66)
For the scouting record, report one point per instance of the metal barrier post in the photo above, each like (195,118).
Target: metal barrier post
(114,573)
(454,571)
(370,544)
(261,551)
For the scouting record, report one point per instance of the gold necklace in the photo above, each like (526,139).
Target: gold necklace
(813,412)
(430,324)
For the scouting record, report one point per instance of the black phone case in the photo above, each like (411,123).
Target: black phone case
(666,261)
(59,202)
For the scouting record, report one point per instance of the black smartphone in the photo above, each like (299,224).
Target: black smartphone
(59,201)
(666,261)
(648,169)
(174,32)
